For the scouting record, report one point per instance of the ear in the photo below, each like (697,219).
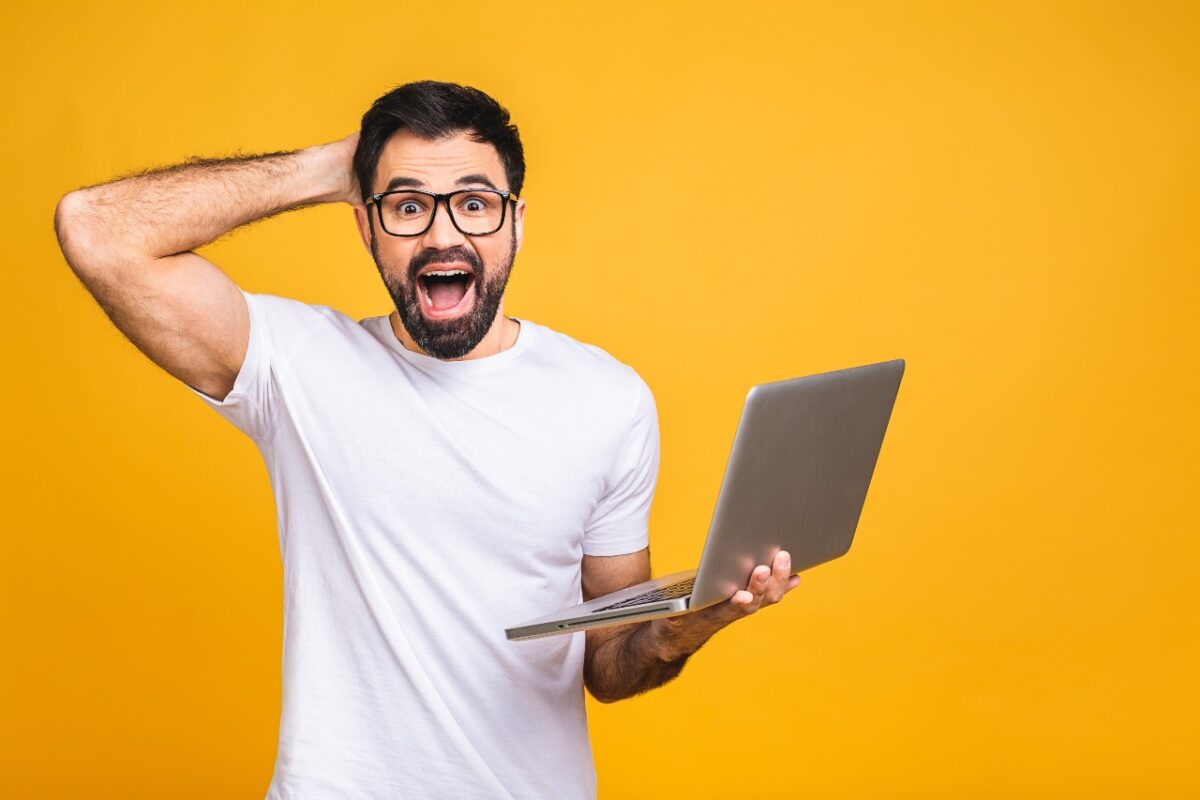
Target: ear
(362,218)
(519,216)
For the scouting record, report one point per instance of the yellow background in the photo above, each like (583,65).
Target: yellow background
(1004,195)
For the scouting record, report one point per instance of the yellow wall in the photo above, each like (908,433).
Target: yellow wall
(719,195)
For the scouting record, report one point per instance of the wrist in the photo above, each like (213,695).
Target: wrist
(331,167)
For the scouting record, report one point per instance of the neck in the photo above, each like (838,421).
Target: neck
(501,336)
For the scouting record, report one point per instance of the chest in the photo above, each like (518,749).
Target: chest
(519,458)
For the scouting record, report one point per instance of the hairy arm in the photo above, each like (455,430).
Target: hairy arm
(621,660)
(130,242)
(624,660)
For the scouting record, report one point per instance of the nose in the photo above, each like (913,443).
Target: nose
(442,234)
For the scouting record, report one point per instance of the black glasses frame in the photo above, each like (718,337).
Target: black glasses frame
(437,201)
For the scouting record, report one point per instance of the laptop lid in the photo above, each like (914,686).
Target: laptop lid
(797,477)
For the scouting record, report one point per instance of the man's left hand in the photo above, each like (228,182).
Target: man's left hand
(681,636)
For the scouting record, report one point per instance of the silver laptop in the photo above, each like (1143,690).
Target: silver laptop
(796,480)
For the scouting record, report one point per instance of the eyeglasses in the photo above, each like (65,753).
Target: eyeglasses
(410,212)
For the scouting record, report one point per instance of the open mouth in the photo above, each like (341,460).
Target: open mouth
(445,291)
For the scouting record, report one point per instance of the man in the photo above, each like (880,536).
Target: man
(440,473)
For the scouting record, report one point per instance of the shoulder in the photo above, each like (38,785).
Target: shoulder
(286,308)
(588,365)
(288,323)
(284,312)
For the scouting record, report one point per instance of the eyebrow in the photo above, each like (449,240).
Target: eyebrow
(403,181)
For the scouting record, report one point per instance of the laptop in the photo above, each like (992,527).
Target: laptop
(797,477)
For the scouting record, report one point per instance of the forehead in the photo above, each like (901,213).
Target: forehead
(437,164)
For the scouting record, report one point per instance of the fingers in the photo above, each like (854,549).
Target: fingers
(749,599)
(767,585)
(781,570)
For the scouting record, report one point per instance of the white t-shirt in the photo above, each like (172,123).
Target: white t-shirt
(424,506)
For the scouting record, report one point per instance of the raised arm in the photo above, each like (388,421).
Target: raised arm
(130,242)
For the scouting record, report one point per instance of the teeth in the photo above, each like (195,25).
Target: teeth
(447,273)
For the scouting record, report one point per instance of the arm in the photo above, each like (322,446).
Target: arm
(624,660)
(130,243)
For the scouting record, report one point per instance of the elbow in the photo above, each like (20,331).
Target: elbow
(602,696)
(76,230)
(62,214)
(67,213)
(597,689)
(69,231)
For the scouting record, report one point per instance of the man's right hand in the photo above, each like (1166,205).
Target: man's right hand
(131,243)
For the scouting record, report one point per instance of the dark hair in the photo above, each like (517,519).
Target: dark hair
(433,110)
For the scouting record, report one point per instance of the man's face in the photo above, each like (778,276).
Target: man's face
(446,315)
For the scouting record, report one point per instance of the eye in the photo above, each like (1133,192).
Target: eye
(478,204)
(407,205)
(473,204)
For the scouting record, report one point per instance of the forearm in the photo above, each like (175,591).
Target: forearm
(632,659)
(625,660)
(181,207)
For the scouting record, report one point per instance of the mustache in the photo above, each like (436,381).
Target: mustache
(459,255)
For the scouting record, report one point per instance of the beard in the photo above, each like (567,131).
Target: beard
(447,339)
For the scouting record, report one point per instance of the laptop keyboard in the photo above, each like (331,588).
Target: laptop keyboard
(669,592)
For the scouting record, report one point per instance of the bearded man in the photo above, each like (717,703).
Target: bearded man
(440,472)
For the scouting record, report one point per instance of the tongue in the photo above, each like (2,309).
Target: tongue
(447,295)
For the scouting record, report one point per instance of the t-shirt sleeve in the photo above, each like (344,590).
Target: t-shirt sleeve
(620,522)
(251,404)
